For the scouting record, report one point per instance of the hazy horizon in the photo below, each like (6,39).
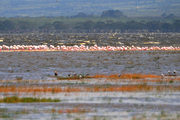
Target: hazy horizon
(54,8)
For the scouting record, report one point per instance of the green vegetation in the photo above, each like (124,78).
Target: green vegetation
(171,81)
(15,99)
(19,78)
(120,100)
(4,113)
(71,7)
(109,21)
(6,116)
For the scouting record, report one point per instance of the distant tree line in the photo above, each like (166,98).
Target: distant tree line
(89,25)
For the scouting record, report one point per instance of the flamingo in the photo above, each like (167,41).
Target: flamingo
(83,48)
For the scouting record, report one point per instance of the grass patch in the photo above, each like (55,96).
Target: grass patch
(137,76)
(15,99)
(6,116)
(74,110)
(126,76)
(91,88)
(171,81)
(113,76)
(73,77)
(19,78)
(120,100)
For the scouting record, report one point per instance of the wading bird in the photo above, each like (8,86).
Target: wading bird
(81,48)
(175,72)
(169,72)
(55,73)
(119,75)
(162,75)
(74,74)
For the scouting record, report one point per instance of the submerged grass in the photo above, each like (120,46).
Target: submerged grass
(15,99)
(73,77)
(113,76)
(93,88)
(126,76)
(141,85)
(74,110)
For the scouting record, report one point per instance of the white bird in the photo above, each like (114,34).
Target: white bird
(162,75)
(169,72)
(74,74)
(80,76)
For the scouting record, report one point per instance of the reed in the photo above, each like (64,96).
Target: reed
(125,76)
(74,110)
(15,99)
(138,76)
(113,76)
(93,88)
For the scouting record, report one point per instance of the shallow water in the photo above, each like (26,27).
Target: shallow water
(41,65)
(38,68)
(107,105)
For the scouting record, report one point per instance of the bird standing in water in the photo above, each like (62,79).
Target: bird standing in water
(74,74)
(55,73)
(175,72)
(169,72)
(162,76)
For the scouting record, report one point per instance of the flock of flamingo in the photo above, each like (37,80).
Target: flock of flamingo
(4,48)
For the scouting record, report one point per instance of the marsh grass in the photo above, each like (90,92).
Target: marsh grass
(5,115)
(125,76)
(94,88)
(19,78)
(15,99)
(74,110)
(171,81)
(72,77)
(113,76)
(120,100)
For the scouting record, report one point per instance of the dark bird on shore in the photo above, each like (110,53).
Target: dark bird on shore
(175,72)
(69,75)
(55,73)
(119,75)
